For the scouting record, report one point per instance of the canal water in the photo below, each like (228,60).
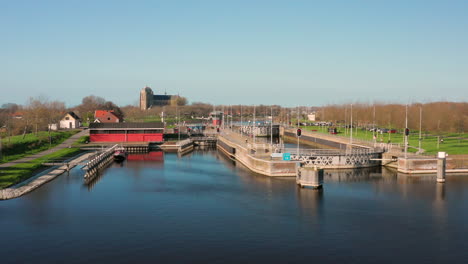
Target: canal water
(205,208)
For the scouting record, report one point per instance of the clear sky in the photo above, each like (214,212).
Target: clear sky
(235,52)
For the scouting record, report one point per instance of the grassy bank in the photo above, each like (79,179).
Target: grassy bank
(18,147)
(450,143)
(80,141)
(20,172)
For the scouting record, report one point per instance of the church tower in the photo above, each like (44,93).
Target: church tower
(146,98)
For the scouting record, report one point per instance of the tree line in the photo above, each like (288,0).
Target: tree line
(39,112)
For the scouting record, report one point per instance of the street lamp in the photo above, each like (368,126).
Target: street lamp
(351,127)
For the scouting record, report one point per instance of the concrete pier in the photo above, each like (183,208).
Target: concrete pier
(441,162)
(181,147)
(309,177)
(256,157)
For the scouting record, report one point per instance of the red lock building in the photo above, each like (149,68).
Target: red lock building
(126,132)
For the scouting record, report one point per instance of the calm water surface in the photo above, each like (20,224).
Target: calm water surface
(203,208)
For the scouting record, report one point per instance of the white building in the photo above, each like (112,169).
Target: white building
(69,121)
(311,116)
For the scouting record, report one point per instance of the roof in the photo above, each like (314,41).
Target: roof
(72,114)
(103,113)
(149,125)
(162,97)
(17,114)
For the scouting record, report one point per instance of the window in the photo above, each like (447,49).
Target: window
(108,118)
(67,118)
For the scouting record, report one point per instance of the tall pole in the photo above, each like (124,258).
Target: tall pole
(351,126)
(420,127)
(178,121)
(253,130)
(297,117)
(346,120)
(406,136)
(296,135)
(271,128)
(222,118)
(241,124)
(373,127)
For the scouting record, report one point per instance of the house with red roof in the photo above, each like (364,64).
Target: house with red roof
(106,116)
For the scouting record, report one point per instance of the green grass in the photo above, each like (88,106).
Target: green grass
(81,140)
(20,172)
(451,144)
(16,147)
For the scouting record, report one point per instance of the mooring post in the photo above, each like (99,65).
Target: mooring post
(441,164)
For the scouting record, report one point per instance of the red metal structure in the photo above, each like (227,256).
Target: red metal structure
(126,132)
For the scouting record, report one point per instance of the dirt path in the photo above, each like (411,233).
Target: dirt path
(62,145)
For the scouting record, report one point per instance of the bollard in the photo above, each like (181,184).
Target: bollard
(441,161)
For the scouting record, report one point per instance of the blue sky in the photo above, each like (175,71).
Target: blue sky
(235,52)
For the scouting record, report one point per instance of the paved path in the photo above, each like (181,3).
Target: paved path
(62,145)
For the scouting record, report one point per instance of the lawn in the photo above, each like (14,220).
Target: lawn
(20,172)
(16,147)
(451,143)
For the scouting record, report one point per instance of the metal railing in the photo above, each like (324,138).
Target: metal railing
(329,152)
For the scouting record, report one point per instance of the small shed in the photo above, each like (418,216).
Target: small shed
(70,121)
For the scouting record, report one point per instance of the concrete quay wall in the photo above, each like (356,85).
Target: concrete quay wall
(427,165)
(260,165)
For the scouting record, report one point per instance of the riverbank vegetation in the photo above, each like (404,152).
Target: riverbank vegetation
(16,147)
(23,171)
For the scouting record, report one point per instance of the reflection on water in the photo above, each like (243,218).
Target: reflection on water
(203,207)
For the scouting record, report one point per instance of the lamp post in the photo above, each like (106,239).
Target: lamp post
(241,124)
(406,133)
(178,121)
(271,128)
(420,127)
(297,135)
(253,128)
(373,128)
(351,126)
